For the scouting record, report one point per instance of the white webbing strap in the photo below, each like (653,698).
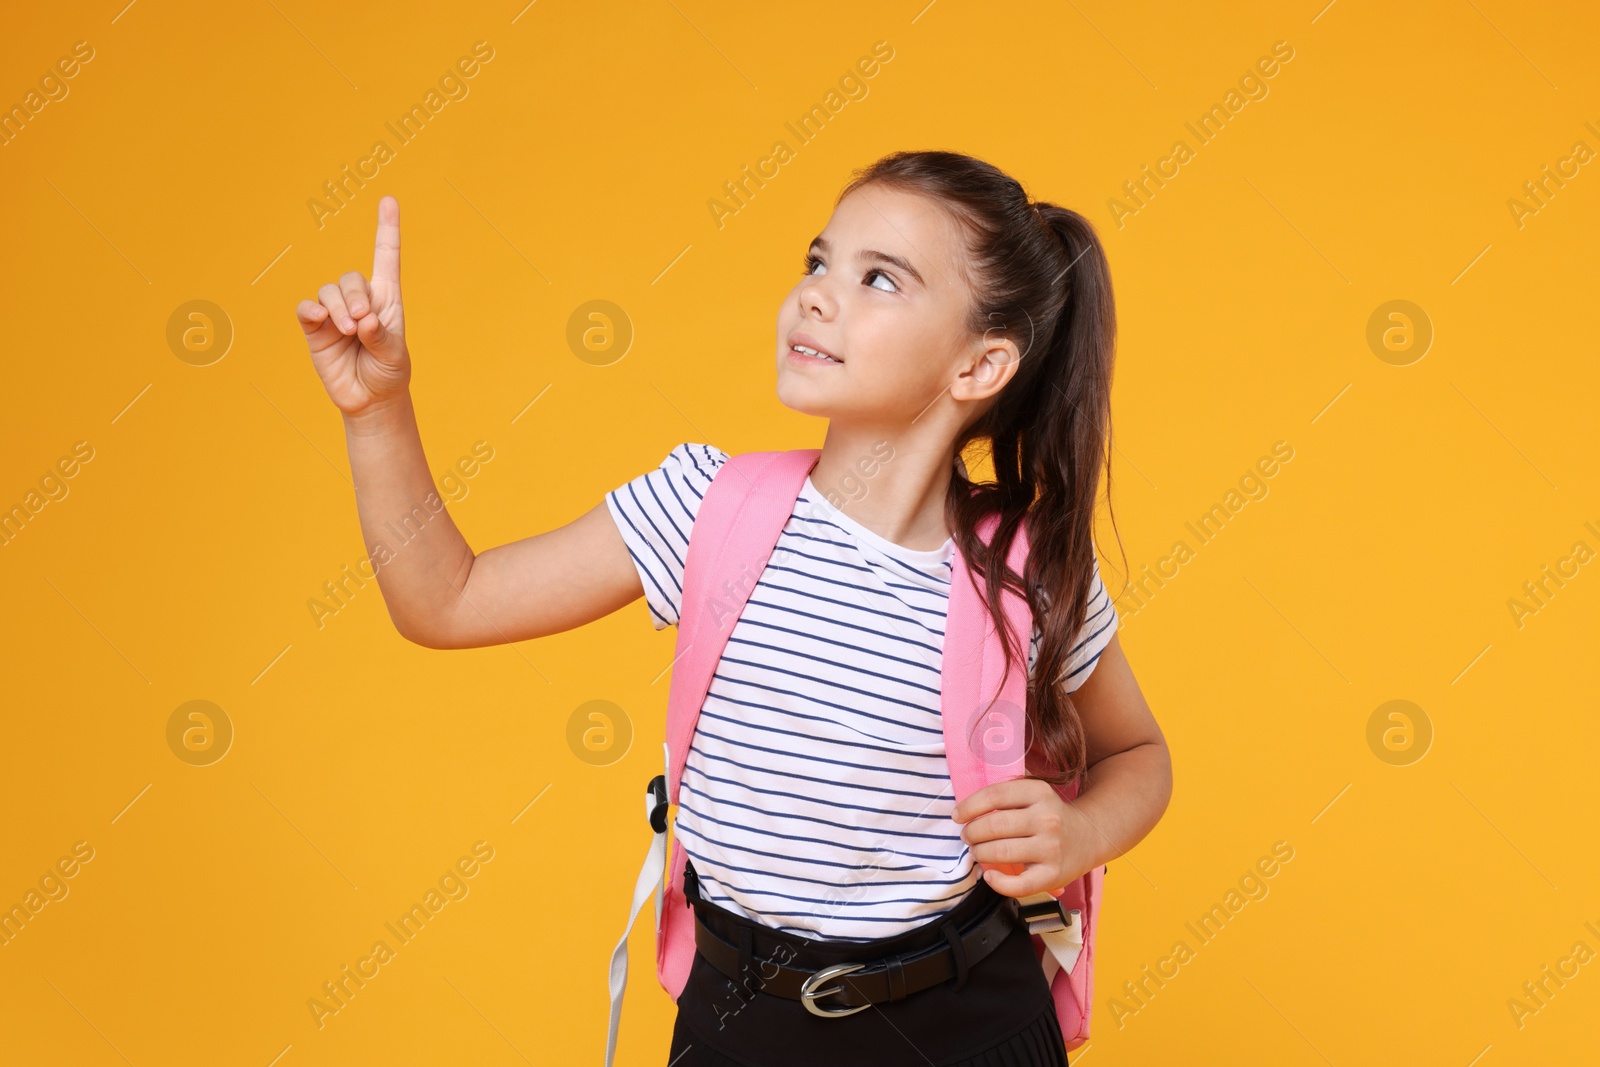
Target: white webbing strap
(1064,946)
(652,877)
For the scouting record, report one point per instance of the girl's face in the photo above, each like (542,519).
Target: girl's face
(884,293)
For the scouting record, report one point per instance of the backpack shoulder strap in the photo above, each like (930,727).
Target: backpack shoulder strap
(985,729)
(984,713)
(736,527)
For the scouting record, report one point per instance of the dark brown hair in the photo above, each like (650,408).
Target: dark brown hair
(1038,276)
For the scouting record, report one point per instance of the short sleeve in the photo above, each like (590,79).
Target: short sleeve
(1100,624)
(654,513)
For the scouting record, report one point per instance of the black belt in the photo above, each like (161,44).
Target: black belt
(862,984)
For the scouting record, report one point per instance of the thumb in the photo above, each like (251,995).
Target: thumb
(375,335)
(1008,879)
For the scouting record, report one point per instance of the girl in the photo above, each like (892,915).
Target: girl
(939,308)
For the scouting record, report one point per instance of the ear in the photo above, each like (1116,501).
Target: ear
(988,370)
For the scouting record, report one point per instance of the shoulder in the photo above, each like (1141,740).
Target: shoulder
(673,489)
(697,462)
(657,509)
(655,514)
(1099,626)
(1100,609)
(693,465)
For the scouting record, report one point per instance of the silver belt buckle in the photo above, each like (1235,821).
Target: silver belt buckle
(809,993)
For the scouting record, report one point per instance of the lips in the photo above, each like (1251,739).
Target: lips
(810,342)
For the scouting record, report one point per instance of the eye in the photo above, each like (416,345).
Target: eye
(811,263)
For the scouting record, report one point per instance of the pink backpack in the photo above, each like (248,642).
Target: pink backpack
(734,533)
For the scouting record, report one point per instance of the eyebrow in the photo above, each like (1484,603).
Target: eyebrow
(874,256)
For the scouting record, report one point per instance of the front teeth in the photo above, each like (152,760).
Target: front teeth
(813,352)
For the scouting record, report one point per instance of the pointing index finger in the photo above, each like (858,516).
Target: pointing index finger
(386,247)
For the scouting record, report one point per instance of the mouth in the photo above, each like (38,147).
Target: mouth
(805,349)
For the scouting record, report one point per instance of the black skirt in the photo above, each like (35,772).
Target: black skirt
(1002,1016)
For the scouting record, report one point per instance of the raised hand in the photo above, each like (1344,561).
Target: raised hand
(355,329)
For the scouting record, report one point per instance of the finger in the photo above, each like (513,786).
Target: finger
(1035,879)
(333,300)
(1002,822)
(1015,793)
(1008,850)
(311,315)
(357,297)
(1006,868)
(386,247)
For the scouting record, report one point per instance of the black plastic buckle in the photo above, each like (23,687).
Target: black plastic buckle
(656,791)
(1044,917)
(691,885)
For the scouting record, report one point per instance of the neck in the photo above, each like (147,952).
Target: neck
(890,479)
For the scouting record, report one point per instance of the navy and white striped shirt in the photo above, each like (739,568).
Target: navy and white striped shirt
(816,797)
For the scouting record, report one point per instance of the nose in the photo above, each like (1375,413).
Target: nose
(813,296)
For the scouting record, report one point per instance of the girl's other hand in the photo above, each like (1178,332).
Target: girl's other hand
(355,328)
(1027,839)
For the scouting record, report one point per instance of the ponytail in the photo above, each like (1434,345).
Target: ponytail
(1043,279)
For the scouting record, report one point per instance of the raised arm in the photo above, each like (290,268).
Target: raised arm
(438,591)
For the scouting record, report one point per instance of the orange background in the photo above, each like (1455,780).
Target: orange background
(179,564)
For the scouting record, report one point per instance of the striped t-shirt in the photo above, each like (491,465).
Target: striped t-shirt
(816,797)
